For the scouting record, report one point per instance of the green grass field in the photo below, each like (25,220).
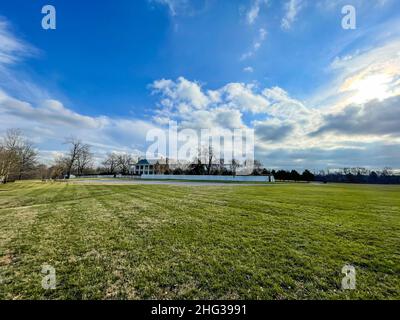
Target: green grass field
(286,241)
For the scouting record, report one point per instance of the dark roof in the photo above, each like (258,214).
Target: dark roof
(143,162)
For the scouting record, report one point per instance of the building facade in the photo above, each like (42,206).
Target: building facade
(150,167)
(143,167)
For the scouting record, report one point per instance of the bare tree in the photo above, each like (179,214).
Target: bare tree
(24,151)
(58,170)
(84,159)
(210,156)
(18,155)
(387,171)
(43,172)
(27,157)
(111,163)
(234,165)
(8,160)
(13,139)
(76,147)
(124,162)
(258,166)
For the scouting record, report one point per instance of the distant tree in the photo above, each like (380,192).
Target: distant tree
(84,159)
(282,175)
(197,168)
(387,172)
(77,147)
(23,151)
(59,169)
(373,177)
(124,162)
(12,139)
(27,159)
(265,172)
(57,172)
(350,177)
(111,163)
(294,175)
(359,175)
(258,168)
(43,172)
(209,158)
(234,166)
(178,172)
(8,160)
(307,176)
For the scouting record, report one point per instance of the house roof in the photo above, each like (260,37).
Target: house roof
(162,161)
(151,161)
(143,162)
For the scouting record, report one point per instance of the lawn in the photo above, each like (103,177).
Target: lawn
(285,241)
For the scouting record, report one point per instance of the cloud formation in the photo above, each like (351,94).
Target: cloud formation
(49,123)
(282,122)
(254,10)
(273,131)
(257,43)
(292,9)
(182,7)
(12,49)
(173,5)
(354,121)
(376,118)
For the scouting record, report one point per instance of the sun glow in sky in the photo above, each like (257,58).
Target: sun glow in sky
(376,79)
(371,87)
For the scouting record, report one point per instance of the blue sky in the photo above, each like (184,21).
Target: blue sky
(115,69)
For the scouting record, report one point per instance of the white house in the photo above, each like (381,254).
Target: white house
(144,166)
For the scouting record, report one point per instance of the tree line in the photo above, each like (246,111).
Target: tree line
(79,161)
(359,175)
(19,160)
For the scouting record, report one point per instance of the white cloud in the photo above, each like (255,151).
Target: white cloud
(12,48)
(50,122)
(49,112)
(292,9)
(261,36)
(283,106)
(254,10)
(182,7)
(173,5)
(248,69)
(181,91)
(244,97)
(265,109)
(182,97)
(280,121)
(230,103)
